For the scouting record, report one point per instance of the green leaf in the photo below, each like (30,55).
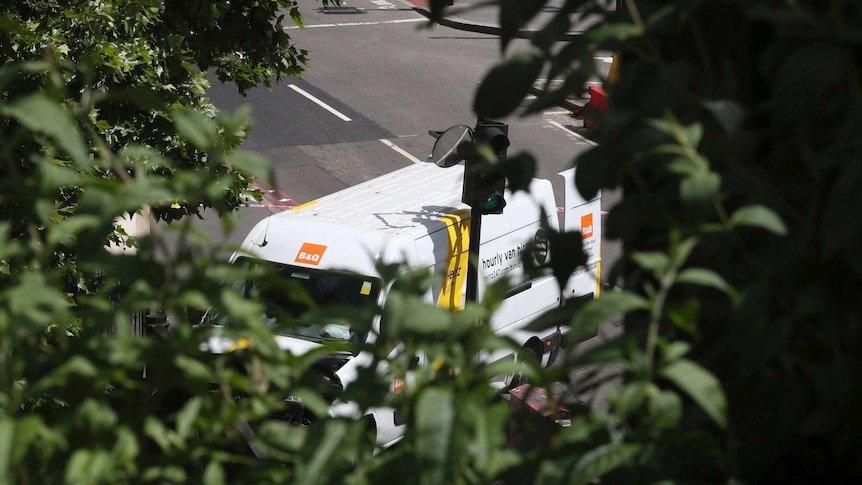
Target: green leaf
(143,155)
(674,351)
(156,430)
(704,277)
(196,128)
(312,401)
(59,175)
(194,299)
(490,435)
(629,399)
(409,313)
(701,386)
(613,33)
(692,135)
(682,251)
(613,352)
(10,70)
(686,165)
(655,262)
(520,170)
(240,307)
(319,466)
(595,312)
(42,115)
(89,466)
(602,460)
(77,366)
(35,299)
(435,414)
(297,17)
(144,97)
(515,14)
(214,474)
(665,409)
(193,368)
(567,249)
(126,447)
(69,228)
(187,415)
(10,246)
(252,164)
(505,86)
(684,314)
(728,113)
(7,447)
(759,216)
(699,189)
(809,74)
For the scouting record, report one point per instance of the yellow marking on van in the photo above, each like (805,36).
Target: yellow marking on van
(438,364)
(455,271)
(303,206)
(242,343)
(599,274)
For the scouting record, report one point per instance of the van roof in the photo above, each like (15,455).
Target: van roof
(383,220)
(392,203)
(354,226)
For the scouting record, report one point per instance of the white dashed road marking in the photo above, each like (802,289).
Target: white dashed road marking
(579,137)
(357,24)
(400,151)
(319,102)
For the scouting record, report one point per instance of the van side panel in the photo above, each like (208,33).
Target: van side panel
(507,238)
(584,216)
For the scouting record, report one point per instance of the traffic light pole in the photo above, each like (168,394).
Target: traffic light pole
(475,241)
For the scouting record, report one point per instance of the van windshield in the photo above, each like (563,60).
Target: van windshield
(314,304)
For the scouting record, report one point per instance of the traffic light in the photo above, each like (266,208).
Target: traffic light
(483,186)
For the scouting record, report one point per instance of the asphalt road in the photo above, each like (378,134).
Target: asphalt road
(379,78)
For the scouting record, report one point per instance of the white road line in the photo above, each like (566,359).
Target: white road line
(558,125)
(358,24)
(383,4)
(400,150)
(319,102)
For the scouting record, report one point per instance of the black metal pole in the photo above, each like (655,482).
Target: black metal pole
(473,263)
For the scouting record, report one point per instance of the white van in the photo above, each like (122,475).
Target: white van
(415,216)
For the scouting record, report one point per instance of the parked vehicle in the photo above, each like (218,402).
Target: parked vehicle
(332,247)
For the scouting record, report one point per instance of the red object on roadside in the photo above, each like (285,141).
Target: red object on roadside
(598,102)
(535,416)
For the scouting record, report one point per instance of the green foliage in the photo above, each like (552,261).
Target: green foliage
(129,70)
(84,400)
(731,137)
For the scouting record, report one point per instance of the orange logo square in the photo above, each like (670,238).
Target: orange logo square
(310,253)
(587,226)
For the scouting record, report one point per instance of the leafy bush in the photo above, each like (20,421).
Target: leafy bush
(731,134)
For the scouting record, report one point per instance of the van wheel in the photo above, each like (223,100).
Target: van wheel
(533,353)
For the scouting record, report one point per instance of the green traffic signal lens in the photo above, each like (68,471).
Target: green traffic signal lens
(493,202)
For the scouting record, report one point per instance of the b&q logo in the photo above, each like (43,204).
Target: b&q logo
(310,253)
(587,226)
